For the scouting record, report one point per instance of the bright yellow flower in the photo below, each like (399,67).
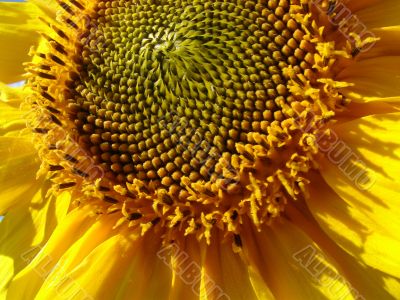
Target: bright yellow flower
(199,149)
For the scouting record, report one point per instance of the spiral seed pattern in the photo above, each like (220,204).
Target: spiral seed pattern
(169,88)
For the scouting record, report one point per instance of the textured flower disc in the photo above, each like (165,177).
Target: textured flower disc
(188,114)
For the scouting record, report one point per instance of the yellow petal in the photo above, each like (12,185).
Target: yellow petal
(105,257)
(292,264)
(12,117)
(392,285)
(18,32)
(11,95)
(364,281)
(374,79)
(48,7)
(356,110)
(18,158)
(6,274)
(260,287)
(146,272)
(27,283)
(382,13)
(186,264)
(230,273)
(366,177)
(356,5)
(387,45)
(124,266)
(25,229)
(18,166)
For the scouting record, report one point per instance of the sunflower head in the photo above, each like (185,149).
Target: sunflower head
(170,133)
(191,114)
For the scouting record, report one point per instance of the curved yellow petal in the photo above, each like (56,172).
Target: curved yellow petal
(230,275)
(19,164)
(189,256)
(27,283)
(364,281)
(211,272)
(124,268)
(12,117)
(48,7)
(19,161)
(25,229)
(117,263)
(374,79)
(362,166)
(356,110)
(293,264)
(260,287)
(12,121)
(85,247)
(356,5)
(18,32)
(6,274)
(10,94)
(382,13)
(146,272)
(387,45)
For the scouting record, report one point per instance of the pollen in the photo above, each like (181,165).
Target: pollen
(184,116)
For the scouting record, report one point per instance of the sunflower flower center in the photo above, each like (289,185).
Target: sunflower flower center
(170,91)
(191,114)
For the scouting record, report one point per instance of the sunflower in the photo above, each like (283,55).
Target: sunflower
(198,149)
